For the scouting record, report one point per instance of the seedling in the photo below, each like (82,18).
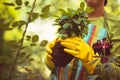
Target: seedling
(72,23)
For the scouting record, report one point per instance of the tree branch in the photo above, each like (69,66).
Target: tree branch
(21,42)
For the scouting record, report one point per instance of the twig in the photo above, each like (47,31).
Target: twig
(21,42)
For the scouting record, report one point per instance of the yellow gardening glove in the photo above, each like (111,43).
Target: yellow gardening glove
(48,59)
(78,48)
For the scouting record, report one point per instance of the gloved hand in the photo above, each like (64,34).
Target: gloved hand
(48,59)
(78,48)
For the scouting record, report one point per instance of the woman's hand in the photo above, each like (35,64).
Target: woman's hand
(78,48)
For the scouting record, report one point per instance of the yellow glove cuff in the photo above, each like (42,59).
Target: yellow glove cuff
(91,65)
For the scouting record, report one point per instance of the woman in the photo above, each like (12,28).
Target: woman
(103,28)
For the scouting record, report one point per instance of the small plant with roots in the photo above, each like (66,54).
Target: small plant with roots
(72,23)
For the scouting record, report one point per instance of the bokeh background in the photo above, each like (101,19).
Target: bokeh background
(26,27)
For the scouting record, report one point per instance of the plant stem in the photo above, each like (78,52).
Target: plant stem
(21,42)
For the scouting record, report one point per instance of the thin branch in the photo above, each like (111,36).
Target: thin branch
(21,42)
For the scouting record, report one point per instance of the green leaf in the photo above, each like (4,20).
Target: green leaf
(78,10)
(28,37)
(28,69)
(43,43)
(116,58)
(31,59)
(89,9)
(33,44)
(46,9)
(18,2)
(64,17)
(34,16)
(26,3)
(70,11)
(27,56)
(8,4)
(85,30)
(15,24)
(44,16)
(61,31)
(82,5)
(21,23)
(77,21)
(18,23)
(35,38)
(22,54)
(16,8)
(66,25)
(64,13)
(64,36)
(55,15)
(57,20)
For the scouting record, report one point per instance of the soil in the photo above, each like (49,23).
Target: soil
(60,58)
